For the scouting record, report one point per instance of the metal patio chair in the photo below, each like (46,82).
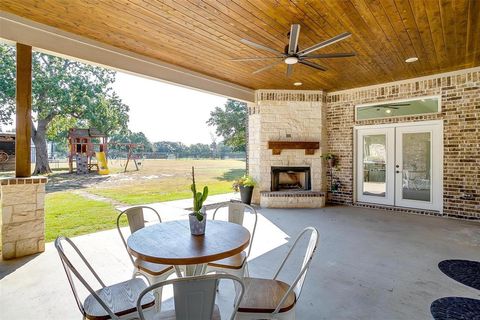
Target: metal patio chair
(272,298)
(117,301)
(194,298)
(237,264)
(153,272)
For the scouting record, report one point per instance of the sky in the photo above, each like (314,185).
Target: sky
(165,112)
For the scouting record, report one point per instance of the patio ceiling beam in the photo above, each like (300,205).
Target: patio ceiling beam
(52,40)
(23,111)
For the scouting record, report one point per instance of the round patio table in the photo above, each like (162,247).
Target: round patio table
(171,243)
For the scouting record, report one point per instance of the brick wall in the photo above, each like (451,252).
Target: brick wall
(460,113)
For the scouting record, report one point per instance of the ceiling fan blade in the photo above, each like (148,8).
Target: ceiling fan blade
(289,70)
(259,46)
(293,42)
(325,43)
(256,58)
(267,67)
(313,65)
(383,107)
(330,55)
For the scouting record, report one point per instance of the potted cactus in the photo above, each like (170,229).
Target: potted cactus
(198,218)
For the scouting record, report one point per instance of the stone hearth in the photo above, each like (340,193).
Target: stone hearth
(287,116)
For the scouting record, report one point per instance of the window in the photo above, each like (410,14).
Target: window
(399,108)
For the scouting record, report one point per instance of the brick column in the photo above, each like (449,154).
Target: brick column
(22,214)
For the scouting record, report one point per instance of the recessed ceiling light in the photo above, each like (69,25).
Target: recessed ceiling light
(297,84)
(411,59)
(291,60)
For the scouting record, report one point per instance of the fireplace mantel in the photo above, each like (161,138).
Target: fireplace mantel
(308,146)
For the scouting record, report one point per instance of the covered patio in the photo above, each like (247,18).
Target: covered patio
(370,264)
(375,144)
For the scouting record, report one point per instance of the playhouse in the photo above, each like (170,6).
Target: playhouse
(88,149)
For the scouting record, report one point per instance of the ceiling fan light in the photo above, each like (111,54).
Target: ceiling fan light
(291,60)
(411,59)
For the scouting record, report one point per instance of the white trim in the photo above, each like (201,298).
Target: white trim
(439,97)
(389,197)
(436,195)
(49,39)
(378,103)
(405,81)
(400,124)
(438,158)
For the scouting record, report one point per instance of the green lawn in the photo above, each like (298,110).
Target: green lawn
(171,180)
(69,214)
(144,194)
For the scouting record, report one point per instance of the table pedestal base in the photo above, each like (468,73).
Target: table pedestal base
(192,270)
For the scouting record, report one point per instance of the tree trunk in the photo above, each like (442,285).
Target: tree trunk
(41,154)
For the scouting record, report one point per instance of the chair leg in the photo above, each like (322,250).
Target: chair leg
(246,272)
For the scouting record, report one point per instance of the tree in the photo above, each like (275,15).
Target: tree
(132,137)
(200,150)
(170,147)
(64,93)
(230,123)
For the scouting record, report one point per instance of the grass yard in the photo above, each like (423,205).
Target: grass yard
(72,214)
(69,214)
(165,180)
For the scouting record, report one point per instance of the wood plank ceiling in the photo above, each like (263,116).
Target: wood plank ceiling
(204,35)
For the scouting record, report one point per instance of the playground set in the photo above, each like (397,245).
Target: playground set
(89,148)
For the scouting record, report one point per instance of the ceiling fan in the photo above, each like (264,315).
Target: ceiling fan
(293,54)
(388,106)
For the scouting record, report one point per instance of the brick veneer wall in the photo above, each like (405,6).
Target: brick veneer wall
(460,113)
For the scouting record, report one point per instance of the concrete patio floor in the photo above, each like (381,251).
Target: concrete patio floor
(371,264)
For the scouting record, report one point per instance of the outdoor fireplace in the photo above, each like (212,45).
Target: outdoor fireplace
(290,179)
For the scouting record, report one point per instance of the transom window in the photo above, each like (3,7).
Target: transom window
(399,108)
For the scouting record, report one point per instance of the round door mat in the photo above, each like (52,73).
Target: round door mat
(464,271)
(455,308)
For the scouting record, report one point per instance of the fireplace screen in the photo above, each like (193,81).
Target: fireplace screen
(290,178)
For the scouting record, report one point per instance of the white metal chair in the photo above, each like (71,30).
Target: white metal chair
(153,272)
(118,301)
(136,221)
(194,298)
(272,298)
(237,264)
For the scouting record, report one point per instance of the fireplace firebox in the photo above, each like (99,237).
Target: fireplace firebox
(290,179)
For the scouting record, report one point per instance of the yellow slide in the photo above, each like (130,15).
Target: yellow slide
(102,163)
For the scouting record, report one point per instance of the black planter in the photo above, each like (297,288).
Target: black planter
(246,194)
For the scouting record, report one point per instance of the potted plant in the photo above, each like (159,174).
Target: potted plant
(331,159)
(245,185)
(198,218)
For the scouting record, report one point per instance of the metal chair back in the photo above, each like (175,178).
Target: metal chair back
(297,284)
(136,221)
(71,271)
(236,214)
(194,297)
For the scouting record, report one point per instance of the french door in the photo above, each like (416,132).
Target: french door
(400,165)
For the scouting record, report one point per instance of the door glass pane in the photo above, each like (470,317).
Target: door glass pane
(374,164)
(416,177)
